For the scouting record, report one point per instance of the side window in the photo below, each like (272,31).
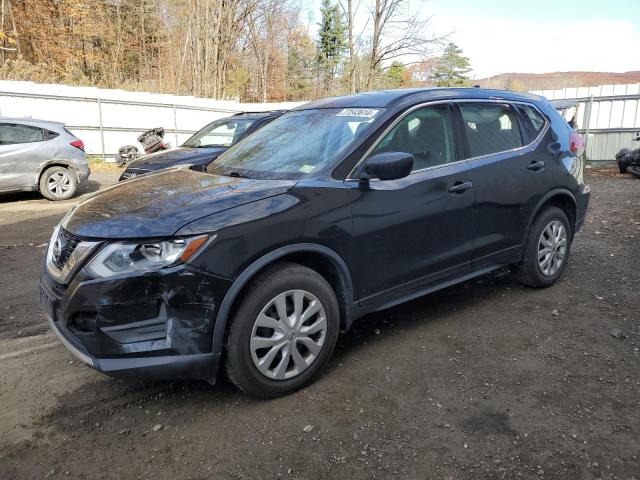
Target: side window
(490,128)
(221,135)
(11,133)
(533,119)
(425,133)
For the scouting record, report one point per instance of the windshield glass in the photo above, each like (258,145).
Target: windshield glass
(298,143)
(221,133)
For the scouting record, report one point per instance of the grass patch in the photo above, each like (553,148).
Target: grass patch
(97,165)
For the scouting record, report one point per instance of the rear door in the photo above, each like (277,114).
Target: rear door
(414,231)
(508,176)
(20,155)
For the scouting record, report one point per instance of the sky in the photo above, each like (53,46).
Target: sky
(541,36)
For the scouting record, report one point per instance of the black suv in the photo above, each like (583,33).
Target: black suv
(338,208)
(204,146)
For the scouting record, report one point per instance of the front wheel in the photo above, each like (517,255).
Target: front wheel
(546,249)
(58,183)
(284,331)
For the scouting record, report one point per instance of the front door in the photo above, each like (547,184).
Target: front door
(417,230)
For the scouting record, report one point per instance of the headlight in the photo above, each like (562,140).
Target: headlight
(125,257)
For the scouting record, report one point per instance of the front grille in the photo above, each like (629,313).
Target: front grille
(67,243)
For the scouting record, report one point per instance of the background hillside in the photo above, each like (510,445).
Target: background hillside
(545,81)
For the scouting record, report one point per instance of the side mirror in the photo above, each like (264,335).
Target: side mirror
(389,165)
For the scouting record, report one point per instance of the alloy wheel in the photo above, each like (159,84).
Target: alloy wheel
(59,184)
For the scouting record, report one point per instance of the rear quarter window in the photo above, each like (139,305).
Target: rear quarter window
(49,134)
(533,120)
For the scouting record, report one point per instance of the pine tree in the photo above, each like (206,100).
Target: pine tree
(331,40)
(398,75)
(451,68)
(301,61)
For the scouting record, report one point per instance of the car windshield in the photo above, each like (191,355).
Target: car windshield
(297,144)
(221,133)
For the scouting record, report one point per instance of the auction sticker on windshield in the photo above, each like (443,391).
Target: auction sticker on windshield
(357,112)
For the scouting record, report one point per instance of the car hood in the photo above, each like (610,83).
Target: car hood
(158,204)
(177,156)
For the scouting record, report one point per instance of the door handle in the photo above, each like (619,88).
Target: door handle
(460,187)
(536,166)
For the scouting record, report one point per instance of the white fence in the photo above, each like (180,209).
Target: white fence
(608,116)
(107,119)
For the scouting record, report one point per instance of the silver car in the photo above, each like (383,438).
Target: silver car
(40,155)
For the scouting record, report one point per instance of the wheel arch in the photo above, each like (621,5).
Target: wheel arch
(320,258)
(560,198)
(56,163)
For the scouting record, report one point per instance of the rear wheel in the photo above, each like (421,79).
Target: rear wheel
(58,183)
(284,331)
(546,249)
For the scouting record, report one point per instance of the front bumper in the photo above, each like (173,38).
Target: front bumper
(150,325)
(198,366)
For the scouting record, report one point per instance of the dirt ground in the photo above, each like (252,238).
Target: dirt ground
(487,379)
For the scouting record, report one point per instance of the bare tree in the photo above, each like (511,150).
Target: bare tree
(349,13)
(207,40)
(268,32)
(9,43)
(254,50)
(397,33)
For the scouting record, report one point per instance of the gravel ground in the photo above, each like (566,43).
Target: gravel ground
(487,379)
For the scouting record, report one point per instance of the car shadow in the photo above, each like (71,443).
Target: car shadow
(89,186)
(86,187)
(409,317)
(20,197)
(80,403)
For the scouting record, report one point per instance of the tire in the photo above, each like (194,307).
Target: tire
(126,154)
(634,170)
(530,271)
(622,161)
(624,164)
(248,331)
(58,183)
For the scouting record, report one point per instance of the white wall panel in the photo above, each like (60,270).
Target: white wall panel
(78,108)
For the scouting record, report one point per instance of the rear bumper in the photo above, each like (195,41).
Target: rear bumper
(83,171)
(582,205)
